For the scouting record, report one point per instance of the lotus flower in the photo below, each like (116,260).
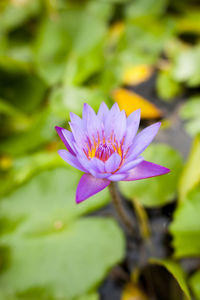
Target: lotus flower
(106,148)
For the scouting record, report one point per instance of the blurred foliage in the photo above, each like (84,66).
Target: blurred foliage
(190,113)
(178,273)
(161,190)
(54,56)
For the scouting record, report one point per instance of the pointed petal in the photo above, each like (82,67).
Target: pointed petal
(146,169)
(115,122)
(91,122)
(133,119)
(71,159)
(112,121)
(113,162)
(87,112)
(75,119)
(102,112)
(89,186)
(133,122)
(78,133)
(143,139)
(61,134)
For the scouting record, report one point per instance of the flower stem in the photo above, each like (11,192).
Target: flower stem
(126,220)
(142,218)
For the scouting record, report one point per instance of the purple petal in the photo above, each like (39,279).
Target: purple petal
(61,134)
(70,139)
(143,139)
(78,133)
(102,112)
(98,165)
(71,159)
(117,177)
(133,122)
(97,168)
(93,166)
(75,119)
(113,162)
(115,122)
(146,169)
(130,165)
(88,112)
(91,122)
(89,186)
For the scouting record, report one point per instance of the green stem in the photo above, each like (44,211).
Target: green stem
(126,220)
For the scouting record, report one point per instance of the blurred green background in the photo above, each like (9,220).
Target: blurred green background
(54,56)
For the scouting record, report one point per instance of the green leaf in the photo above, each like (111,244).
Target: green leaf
(80,68)
(20,86)
(187,66)
(158,190)
(175,269)
(167,87)
(195,284)
(71,98)
(50,57)
(14,14)
(185,227)
(23,168)
(75,42)
(66,263)
(191,172)
(145,8)
(52,251)
(41,210)
(40,131)
(189,112)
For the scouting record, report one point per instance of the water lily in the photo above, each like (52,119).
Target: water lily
(106,147)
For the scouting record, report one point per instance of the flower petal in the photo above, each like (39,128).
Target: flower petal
(117,177)
(130,165)
(115,122)
(89,186)
(71,159)
(78,133)
(91,122)
(143,139)
(102,112)
(113,162)
(146,169)
(75,119)
(66,142)
(133,122)
(98,165)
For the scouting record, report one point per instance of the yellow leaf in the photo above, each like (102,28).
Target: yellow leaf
(132,292)
(136,74)
(130,101)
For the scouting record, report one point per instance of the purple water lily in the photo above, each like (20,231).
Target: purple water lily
(106,148)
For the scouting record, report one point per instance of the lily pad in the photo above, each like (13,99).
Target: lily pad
(48,248)
(158,190)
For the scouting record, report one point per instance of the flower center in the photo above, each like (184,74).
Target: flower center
(102,148)
(104,151)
